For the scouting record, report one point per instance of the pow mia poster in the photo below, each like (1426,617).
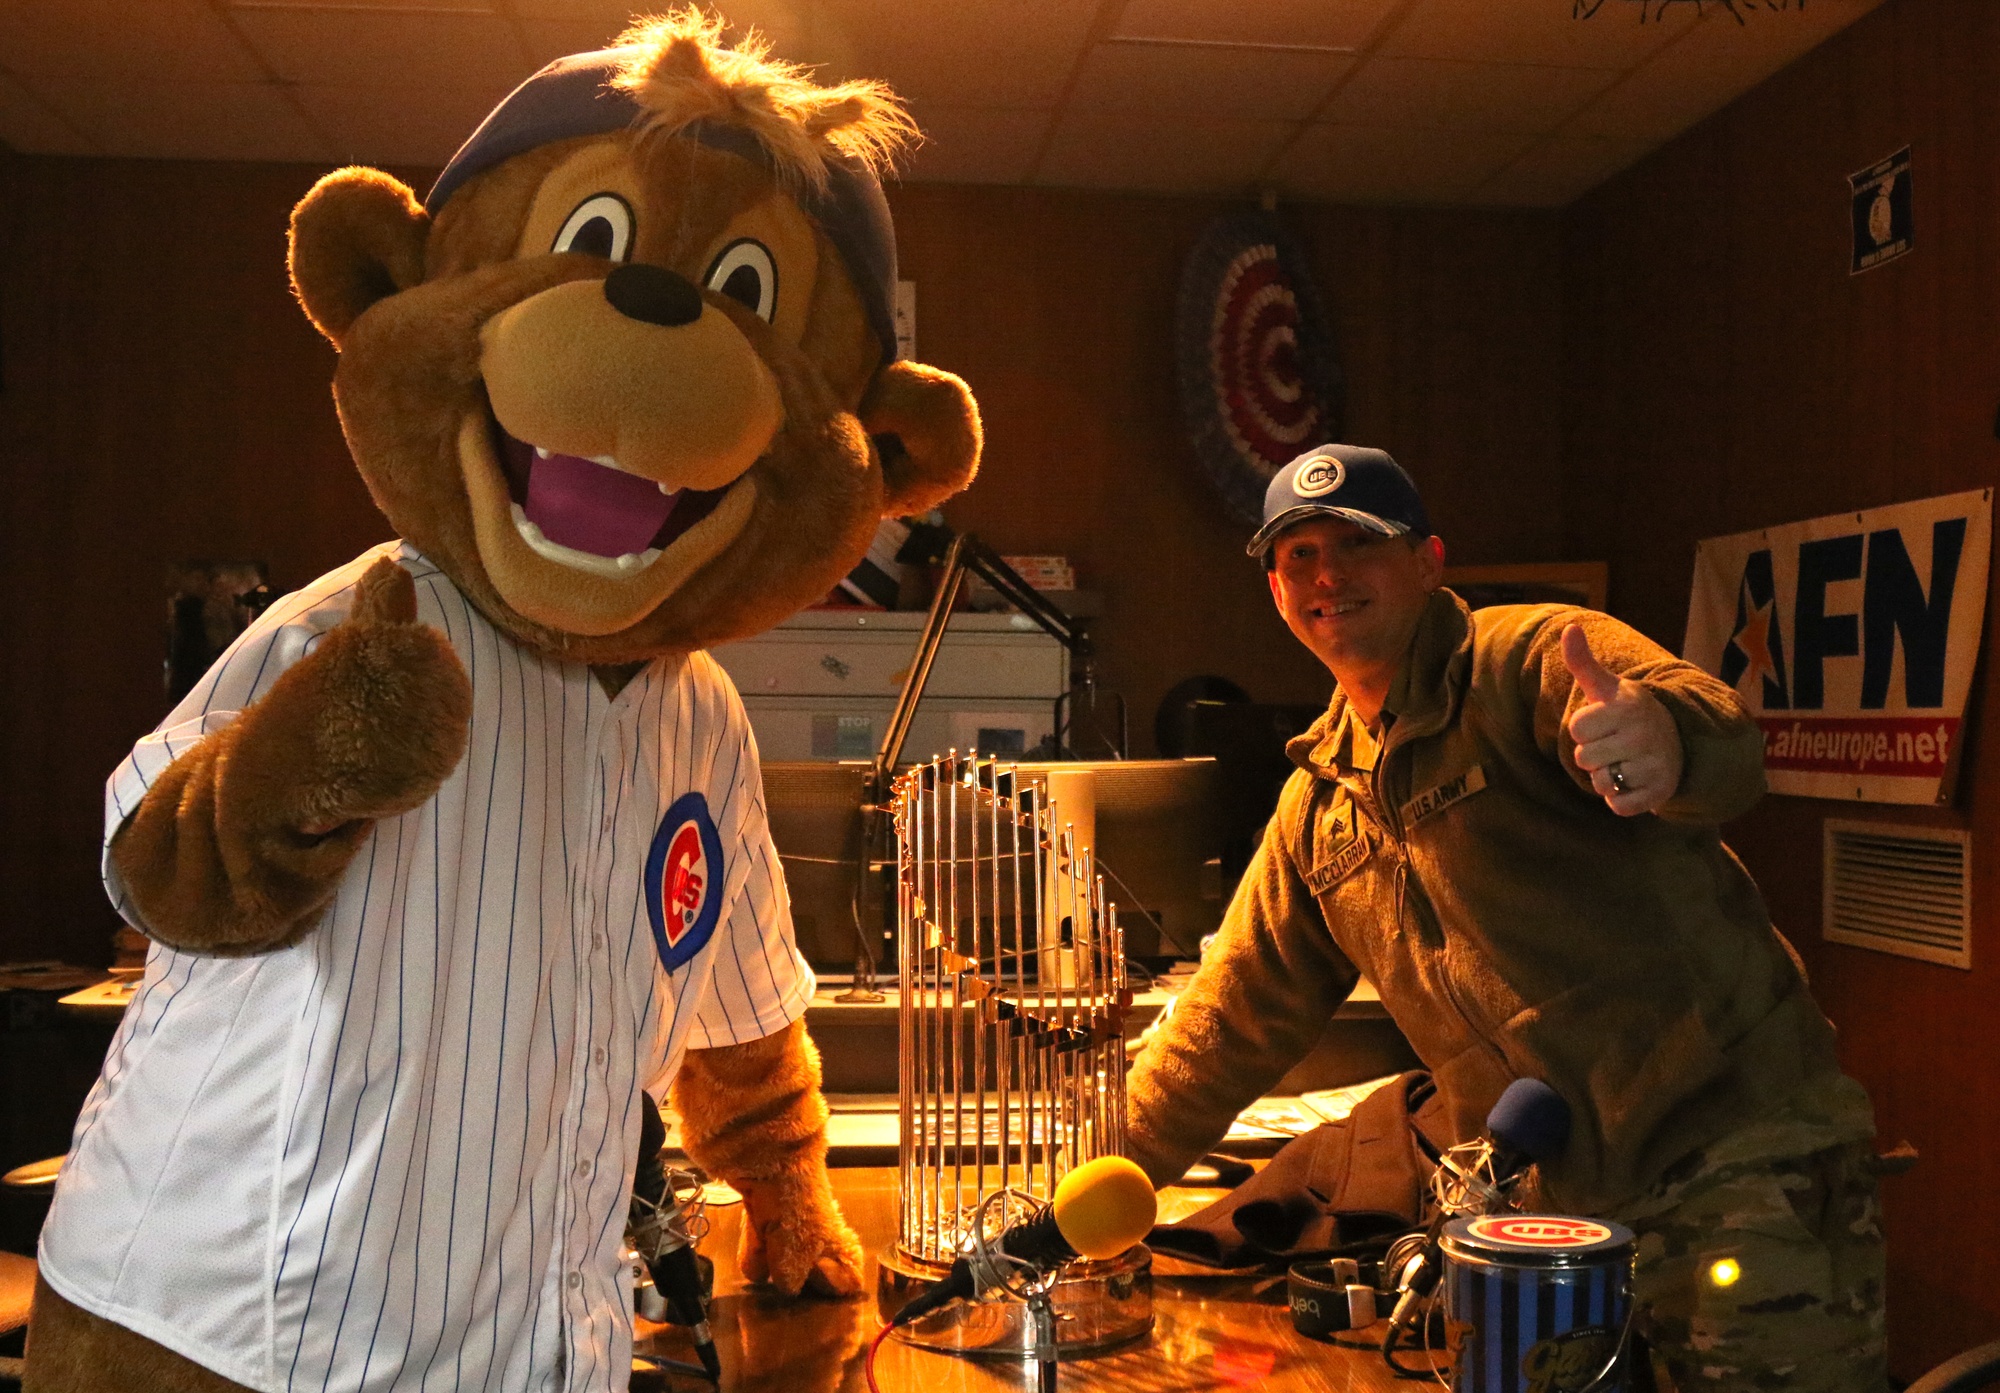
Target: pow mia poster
(1881,206)
(1852,639)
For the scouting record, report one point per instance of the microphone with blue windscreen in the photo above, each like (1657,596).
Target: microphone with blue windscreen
(1529,1124)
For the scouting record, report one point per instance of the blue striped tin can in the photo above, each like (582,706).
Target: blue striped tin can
(1537,1303)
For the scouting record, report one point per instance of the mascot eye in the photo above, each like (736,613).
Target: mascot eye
(744,272)
(600,226)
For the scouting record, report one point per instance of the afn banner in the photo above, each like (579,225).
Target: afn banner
(1852,639)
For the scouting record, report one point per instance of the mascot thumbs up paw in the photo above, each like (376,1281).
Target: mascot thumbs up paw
(463,845)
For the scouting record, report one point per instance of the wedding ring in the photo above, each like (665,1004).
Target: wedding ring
(1617,773)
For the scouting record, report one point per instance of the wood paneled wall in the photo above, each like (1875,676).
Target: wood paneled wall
(164,399)
(1725,372)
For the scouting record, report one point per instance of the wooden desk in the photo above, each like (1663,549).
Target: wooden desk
(1208,1332)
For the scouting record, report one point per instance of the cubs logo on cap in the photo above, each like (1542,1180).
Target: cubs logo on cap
(683,880)
(1351,482)
(1322,474)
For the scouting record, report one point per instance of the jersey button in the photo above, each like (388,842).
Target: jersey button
(583,1168)
(575,1280)
(599,1055)
(597,941)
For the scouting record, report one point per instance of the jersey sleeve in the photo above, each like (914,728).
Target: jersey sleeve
(761,982)
(282,635)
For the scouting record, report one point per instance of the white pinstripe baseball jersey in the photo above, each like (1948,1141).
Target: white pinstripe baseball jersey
(396,1155)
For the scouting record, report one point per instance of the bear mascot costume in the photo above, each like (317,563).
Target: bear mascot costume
(463,845)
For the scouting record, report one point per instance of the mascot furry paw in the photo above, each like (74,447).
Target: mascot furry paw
(464,844)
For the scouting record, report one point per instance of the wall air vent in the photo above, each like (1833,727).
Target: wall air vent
(1899,889)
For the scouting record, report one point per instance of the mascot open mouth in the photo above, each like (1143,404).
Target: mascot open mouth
(582,545)
(589,514)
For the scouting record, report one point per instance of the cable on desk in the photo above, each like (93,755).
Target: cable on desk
(869,1366)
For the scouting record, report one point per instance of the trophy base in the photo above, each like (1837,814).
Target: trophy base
(1098,1305)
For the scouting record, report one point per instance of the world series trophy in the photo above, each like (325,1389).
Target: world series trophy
(1012,1009)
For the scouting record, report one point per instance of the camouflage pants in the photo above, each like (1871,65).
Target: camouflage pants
(1760,1272)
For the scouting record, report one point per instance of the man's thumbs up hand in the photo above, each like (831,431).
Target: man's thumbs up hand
(1599,683)
(1625,740)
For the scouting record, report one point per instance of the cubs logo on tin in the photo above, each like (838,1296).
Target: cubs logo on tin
(1319,477)
(683,880)
(1538,1231)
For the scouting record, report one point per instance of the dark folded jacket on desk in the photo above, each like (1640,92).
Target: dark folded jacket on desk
(1342,1184)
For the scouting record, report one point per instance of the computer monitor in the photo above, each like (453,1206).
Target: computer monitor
(1247,741)
(1158,842)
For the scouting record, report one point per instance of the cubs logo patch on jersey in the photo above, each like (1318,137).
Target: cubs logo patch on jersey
(683,881)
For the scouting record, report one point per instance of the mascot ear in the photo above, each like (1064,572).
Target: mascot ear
(933,419)
(357,237)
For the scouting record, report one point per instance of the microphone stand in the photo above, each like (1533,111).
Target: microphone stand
(1463,1183)
(1042,1320)
(663,1232)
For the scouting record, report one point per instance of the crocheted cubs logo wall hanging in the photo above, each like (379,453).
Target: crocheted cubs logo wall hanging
(683,881)
(1258,372)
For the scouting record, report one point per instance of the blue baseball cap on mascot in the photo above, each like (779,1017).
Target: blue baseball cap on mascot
(575,96)
(1350,482)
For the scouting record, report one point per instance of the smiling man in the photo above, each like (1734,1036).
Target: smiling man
(1508,820)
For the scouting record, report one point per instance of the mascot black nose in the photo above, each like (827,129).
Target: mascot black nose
(653,295)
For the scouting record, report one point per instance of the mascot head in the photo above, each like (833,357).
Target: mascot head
(628,375)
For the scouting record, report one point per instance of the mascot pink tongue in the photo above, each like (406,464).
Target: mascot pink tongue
(592,507)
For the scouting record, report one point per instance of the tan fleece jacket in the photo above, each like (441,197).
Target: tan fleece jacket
(1515,926)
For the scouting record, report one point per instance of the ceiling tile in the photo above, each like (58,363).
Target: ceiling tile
(1387,164)
(161,40)
(1165,153)
(786,24)
(1331,23)
(1710,66)
(481,7)
(1560,170)
(992,55)
(395,125)
(357,48)
(188,120)
(28,124)
(975,145)
(1686,81)
(387,81)
(615,14)
(1538,31)
(1261,84)
(1442,95)
(550,39)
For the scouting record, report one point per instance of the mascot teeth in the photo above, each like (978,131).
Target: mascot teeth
(608,461)
(623,565)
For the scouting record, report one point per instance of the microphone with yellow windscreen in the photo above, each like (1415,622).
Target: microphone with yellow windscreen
(1104,1207)
(1100,1209)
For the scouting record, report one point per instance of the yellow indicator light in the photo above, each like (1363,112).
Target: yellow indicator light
(1724,1272)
